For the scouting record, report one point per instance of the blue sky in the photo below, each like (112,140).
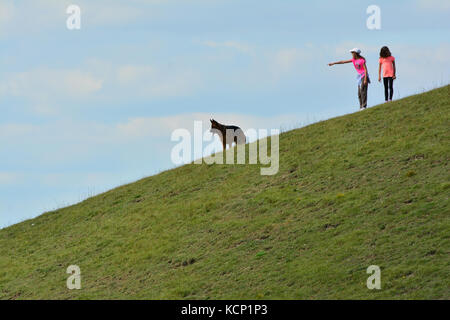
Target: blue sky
(87,110)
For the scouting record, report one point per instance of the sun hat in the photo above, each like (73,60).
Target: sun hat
(355,50)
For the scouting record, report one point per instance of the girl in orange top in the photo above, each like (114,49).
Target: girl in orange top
(387,63)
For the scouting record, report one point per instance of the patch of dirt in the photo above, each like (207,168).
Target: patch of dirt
(330,226)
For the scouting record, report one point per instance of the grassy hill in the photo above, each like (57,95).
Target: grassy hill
(370,188)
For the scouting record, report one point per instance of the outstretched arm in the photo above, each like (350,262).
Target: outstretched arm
(339,62)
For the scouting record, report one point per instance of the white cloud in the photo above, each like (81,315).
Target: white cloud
(262,67)
(286,60)
(46,82)
(78,83)
(277,66)
(229,44)
(434,5)
(437,55)
(13,131)
(46,89)
(129,74)
(43,15)
(9,178)
(343,49)
(156,81)
(109,13)
(43,86)
(422,67)
(163,126)
(30,16)
(88,136)
(7,10)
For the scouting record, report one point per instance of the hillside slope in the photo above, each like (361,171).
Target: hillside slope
(370,188)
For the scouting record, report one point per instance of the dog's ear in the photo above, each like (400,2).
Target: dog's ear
(211,120)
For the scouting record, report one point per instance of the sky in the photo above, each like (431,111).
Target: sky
(83,111)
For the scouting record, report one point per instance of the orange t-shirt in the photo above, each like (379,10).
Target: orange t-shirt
(388,66)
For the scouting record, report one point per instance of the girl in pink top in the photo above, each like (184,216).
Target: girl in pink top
(359,62)
(387,63)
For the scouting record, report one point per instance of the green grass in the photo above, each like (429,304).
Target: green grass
(370,188)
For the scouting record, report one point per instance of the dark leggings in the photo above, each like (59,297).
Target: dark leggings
(388,88)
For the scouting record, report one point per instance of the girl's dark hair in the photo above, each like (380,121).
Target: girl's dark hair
(384,52)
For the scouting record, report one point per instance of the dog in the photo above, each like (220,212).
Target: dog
(228,134)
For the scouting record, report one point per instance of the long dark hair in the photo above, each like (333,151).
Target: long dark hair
(384,52)
(360,56)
